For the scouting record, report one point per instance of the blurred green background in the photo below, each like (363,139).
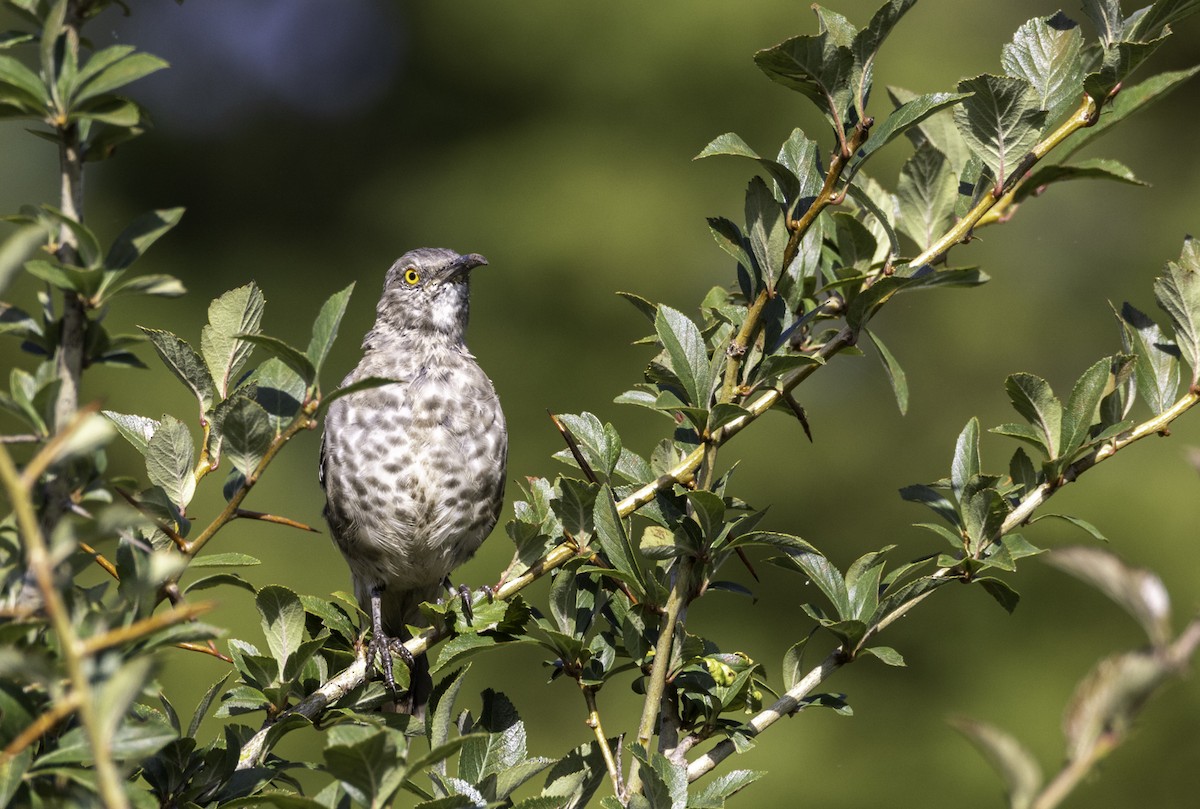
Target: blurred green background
(312,143)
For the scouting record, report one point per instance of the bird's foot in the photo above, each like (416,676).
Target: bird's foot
(463,593)
(384,647)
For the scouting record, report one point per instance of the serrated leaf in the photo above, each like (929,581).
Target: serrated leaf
(1118,61)
(183,361)
(966,465)
(137,430)
(1000,122)
(720,788)
(1156,367)
(32,92)
(1080,412)
(895,373)
(614,541)
(814,66)
(765,230)
(732,144)
(925,196)
(282,617)
(1047,53)
(1016,766)
(247,433)
(138,235)
(170,455)
(1032,397)
(325,327)
(291,356)
(498,741)
(1178,294)
(577,775)
(238,311)
(689,356)
(1127,102)
(913,112)
(867,43)
(1095,169)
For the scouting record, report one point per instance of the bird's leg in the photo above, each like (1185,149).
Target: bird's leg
(384,645)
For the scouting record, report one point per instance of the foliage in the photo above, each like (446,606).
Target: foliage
(628,540)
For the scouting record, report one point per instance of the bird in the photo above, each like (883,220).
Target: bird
(413,470)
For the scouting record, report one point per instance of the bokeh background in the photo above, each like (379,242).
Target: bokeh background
(313,142)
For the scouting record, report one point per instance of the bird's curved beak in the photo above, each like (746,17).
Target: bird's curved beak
(464,264)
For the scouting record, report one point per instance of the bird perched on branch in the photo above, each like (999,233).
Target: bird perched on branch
(413,471)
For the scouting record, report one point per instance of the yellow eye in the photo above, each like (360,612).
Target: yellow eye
(412,277)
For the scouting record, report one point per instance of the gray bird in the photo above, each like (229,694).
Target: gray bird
(413,471)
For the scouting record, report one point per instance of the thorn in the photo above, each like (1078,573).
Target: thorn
(573,446)
(258,515)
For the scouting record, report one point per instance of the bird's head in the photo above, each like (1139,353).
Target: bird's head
(426,293)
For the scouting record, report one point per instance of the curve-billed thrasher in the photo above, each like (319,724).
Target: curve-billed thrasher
(413,471)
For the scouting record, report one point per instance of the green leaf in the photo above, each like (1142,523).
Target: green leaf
(1128,101)
(614,541)
(1076,521)
(895,374)
(722,787)
(1159,15)
(1098,169)
(814,66)
(1178,294)
(1047,53)
(577,775)
(12,772)
(1000,122)
(325,328)
(238,311)
(117,74)
(1156,368)
(500,745)
(183,361)
(1032,397)
(1080,412)
(1118,61)
(935,500)
(282,617)
(156,285)
(871,200)
(732,144)
(913,112)
(793,663)
(31,93)
(866,44)
(887,654)
(828,579)
(766,230)
(137,430)
(367,767)
(138,235)
(689,357)
(925,196)
(967,465)
(16,248)
(366,383)
(1106,16)
(1016,766)
(293,357)
(170,455)
(1000,590)
(247,434)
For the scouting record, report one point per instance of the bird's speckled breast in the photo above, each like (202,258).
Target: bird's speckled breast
(420,461)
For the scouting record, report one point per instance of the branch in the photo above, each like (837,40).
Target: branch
(109,782)
(1019,515)
(593,722)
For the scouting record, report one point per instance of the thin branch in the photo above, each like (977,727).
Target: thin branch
(100,559)
(59,710)
(1015,519)
(208,649)
(38,558)
(242,513)
(593,722)
(167,530)
(147,626)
